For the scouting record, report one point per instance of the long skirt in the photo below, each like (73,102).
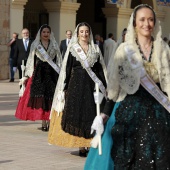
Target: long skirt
(57,136)
(140,135)
(24,112)
(95,161)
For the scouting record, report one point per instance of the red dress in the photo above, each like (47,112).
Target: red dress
(24,112)
(36,102)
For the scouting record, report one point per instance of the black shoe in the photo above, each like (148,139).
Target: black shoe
(48,127)
(83,153)
(44,129)
(11,80)
(87,151)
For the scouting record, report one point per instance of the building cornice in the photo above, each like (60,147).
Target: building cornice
(66,7)
(117,12)
(114,11)
(18,4)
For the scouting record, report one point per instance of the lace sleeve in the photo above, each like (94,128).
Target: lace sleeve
(113,87)
(58,58)
(68,70)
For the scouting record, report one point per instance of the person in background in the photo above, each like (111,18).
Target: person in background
(74,107)
(120,40)
(109,46)
(99,42)
(12,44)
(22,50)
(165,39)
(136,135)
(64,43)
(101,39)
(42,70)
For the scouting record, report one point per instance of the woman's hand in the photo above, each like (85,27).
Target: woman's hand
(97,125)
(22,81)
(104,117)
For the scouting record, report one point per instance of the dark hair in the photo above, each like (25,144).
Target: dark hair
(140,7)
(16,34)
(125,29)
(45,26)
(83,24)
(165,39)
(110,35)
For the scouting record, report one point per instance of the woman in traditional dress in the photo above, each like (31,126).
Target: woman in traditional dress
(137,135)
(74,107)
(42,70)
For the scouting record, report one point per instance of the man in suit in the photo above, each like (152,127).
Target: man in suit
(64,43)
(99,43)
(22,50)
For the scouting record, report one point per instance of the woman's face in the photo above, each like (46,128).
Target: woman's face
(83,33)
(144,22)
(45,34)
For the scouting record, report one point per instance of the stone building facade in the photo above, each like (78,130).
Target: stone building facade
(4,38)
(61,15)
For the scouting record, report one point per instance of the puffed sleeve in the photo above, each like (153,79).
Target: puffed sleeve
(68,70)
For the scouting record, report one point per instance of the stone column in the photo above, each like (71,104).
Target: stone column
(117,19)
(16,15)
(16,18)
(62,16)
(4,38)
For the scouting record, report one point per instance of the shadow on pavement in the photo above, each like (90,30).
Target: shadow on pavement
(10,120)
(8,101)
(7,95)
(7,161)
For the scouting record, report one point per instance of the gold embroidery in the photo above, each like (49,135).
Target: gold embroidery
(57,136)
(152,71)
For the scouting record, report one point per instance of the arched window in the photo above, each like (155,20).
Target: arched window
(134,3)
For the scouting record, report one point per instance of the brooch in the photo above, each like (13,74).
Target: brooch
(78,50)
(133,61)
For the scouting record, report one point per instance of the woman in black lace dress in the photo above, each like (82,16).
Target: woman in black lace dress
(82,67)
(139,81)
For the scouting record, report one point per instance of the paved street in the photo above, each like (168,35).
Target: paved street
(23,146)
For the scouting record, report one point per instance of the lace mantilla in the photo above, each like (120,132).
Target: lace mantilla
(125,79)
(58,105)
(92,56)
(52,52)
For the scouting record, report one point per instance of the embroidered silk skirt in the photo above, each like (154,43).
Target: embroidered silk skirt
(57,136)
(140,136)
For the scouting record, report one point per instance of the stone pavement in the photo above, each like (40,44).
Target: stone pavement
(23,146)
